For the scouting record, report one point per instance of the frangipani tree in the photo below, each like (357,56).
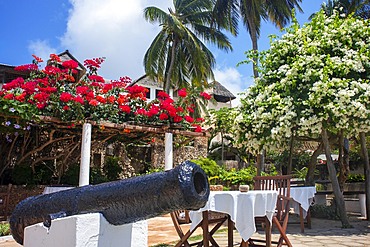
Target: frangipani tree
(314,82)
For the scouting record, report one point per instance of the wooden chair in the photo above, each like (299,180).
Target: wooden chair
(281,215)
(216,219)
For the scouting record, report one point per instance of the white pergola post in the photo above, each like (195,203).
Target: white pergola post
(85,155)
(168,150)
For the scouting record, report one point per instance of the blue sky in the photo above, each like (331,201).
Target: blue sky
(114,29)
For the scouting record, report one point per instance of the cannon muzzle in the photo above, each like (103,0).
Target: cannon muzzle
(121,202)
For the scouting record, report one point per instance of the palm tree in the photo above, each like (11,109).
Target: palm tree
(177,54)
(360,8)
(252,12)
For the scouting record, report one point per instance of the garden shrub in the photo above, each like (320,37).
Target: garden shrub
(4,229)
(112,168)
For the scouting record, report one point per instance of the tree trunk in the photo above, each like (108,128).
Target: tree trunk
(338,196)
(254,38)
(343,159)
(310,179)
(260,163)
(290,158)
(167,85)
(367,172)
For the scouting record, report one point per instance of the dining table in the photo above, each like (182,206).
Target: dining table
(302,199)
(242,208)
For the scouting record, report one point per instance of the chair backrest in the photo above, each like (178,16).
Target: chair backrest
(281,184)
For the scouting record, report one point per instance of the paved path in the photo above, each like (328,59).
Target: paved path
(326,233)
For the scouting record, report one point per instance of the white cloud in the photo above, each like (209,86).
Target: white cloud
(114,29)
(42,49)
(233,80)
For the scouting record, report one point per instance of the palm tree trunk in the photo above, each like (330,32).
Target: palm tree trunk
(338,196)
(167,86)
(365,155)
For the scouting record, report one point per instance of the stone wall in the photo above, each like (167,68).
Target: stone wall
(197,150)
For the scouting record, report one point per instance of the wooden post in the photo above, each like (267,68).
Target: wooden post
(85,155)
(168,150)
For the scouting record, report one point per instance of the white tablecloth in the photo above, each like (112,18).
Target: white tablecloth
(303,195)
(241,206)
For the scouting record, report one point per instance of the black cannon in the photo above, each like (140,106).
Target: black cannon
(120,202)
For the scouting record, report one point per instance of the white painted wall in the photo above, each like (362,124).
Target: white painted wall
(87,230)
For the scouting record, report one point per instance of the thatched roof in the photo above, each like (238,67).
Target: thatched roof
(220,93)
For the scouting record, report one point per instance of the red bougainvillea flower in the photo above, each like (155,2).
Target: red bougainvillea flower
(205,95)
(200,120)
(162,95)
(26,67)
(197,128)
(177,119)
(93,64)
(82,90)
(121,99)
(141,111)
(66,108)
(21,97)
(55,58)
(79,99)
(41,97)
(93,102)
(163,116)
(190,109)
(182,92)
(96,78)
(70,64)
(189,119)
(101,99)
(69,78)
(90,95)
(41,105)
(9,96)
(39,60)
(51,70)
(29,87)
(137,91)
(154,110)
(48,90)
(111,99)
(65,97)
(14,83)
(125,108)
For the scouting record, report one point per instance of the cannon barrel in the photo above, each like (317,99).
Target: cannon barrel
(120,202)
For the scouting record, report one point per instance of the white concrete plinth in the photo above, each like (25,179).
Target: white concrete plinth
(90,230)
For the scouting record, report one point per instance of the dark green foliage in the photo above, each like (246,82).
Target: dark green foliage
(22,175)
(72,175)
(96,176)
(112,168)
(228,178)
(324,212)
(354,178)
